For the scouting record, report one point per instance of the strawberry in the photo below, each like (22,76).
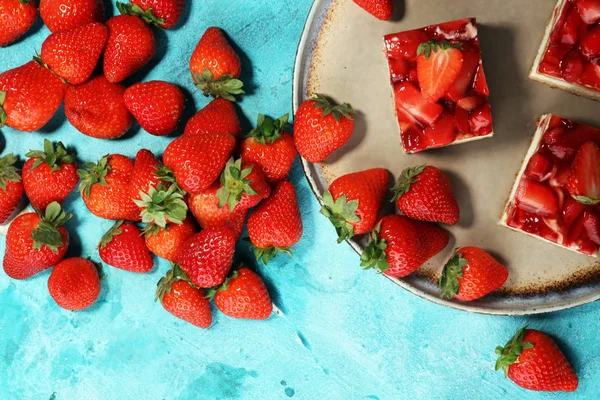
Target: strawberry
(461,120)
(583,182)
(536,198)
(442,132)
(217,117)
(380,9)
(470,274)
(242,185)
(481,85)
(74,283)
(49,175)
(216,67)
(464,80)
(590,43)
(205,207)
(353,201)
(276,224)
(29,96)
(480,120)
(322,127)
(162,13)
(16,17)
(206,257)
(243,295)
(73,54)
(11,187)
(436,238)
(97,108)
(62,15)
(409,99)
(424,193)
(123,247)
(35,242)
(165,243)
(438,65)
(533,361)
(148,172)
(572,66)
(185,301)
(539,168)
(589,10)
(470,103)
(270,147)
(197,161)
(156,105)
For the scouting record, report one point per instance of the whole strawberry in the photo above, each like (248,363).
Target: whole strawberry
(11,187)
(61,15)
(243,295)
(425,193)
(165,243)
(35,242)
(270,147)
(218,116)
(242,185)
(380,9)
(156,105)
(124,247)
(74,283)
(276,224)
(97,108)
(320,128)
(533,361)
(16,17)
(215,66)
(162,13)
(470,274)
(353,201)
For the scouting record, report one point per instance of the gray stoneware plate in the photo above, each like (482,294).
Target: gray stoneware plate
(341,55)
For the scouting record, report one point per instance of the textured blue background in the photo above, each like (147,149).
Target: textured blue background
(341,333)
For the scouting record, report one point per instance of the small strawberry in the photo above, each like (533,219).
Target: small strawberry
(11,187)
(470,274)
(321,128)
(16,17)
(243,295)
(438,65)
(124,247)
(35,242)
(270,147)
(162,13)
(425,193)
(156,105)
(165,243)
(242,185)
(353,201)
(533,361)
(74,283)
(583,182)
(97,108)
(276,224)
(49,175)
(205,207)
(215,66)
(218,116)
(380,9)
(62,15)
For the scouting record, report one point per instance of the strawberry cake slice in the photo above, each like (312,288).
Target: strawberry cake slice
(556,194)
(569,56)
(439,87)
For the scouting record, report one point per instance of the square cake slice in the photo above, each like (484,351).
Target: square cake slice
(568,57)
(556,193)
(439,87)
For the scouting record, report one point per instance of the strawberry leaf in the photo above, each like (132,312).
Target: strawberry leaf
(8,171)
(92,174)
(509,354)
(342,214)
(234,184)
(51,156)
(135,10)
(46,233)
(210,294)
(374,255)
(328,107)
(225,86)
(268,130)
(406,179)
(266,254)
(453,270)
(586,200)
(434,45)
(161,205)
(110,235)
(165,283)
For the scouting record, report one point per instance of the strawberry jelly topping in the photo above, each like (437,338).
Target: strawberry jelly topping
(542,205)
(425,124)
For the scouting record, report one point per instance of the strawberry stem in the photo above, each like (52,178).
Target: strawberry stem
(234,184)
(165,283)
(8,171)
(225,86)
(46,233)
(110,235)
(453,270)
(54,158)
(509,354)
(329,107)
(342,214)
(406,179)
(137,11)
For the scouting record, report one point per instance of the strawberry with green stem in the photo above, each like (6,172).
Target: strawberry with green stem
(74,283)
(165,243)
(242,185)
(161,13)
(124,247)
(11,187)
(162,205)
(439,63)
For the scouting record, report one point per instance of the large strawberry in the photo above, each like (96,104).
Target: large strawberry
(425,193)
(276,224)
(380,9)
(11,187)
(74,283)
(124,247)
(35,242)
(162,13)
(583,182)
(218,116)
(353,201)
(243,295)
(16,17)
(215,66)
(533,361)
(61,15)
(438,65)
(29,96)
(166,242)
(320,128)
(242,185)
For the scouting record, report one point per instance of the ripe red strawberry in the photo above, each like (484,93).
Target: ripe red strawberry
(35,242)
(380,9)
(537,198)
(61,15)
(156,105)
(470,274)
(243,295)
(424,193)
(242,185)
(97,108)
(73,54)
(276,224)
(162,13)
(11,187)
(16,17)
(589,45)
(354,200)
(270,147)
(147,172)
(180,298)
(165,243)
(533,361)
(205,207)
(197,161)
(131,45)
(215,66)
(218,116)
(207,256)
(438,65)
(583,182)
(74,283)
(49,175)
(481,85)
(321,128)
(29,96)
(124,247)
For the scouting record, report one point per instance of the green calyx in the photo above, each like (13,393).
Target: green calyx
(234,184)
(8,171)
(266,254)
(110,235)
(509,354)
(453,270)
(328,107)
(268,130)
(165,174)
(225,86)
(92,174)
(433,45)
(406,179)
(3,115)
(46,233)
(137,11)
(374,255)
(162,205)
(24,1)
(51,156)
(210,294)
(165,283)
(342,214)
(586,200)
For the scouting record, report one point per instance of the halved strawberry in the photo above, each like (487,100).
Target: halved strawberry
(572,209)
(565,146)
(590,43)
(465,78)
(572,29)
(589,10)
(438,65)
(584,180)
(470,103)
(572,66)
(480,120)
(443,132)
(461,119)
(412,101)
(537,198)
(539,168)
(481,86)
(404,44)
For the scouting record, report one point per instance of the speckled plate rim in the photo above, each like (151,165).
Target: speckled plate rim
(318,184)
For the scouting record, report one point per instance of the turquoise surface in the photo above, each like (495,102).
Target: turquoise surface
(339,332)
